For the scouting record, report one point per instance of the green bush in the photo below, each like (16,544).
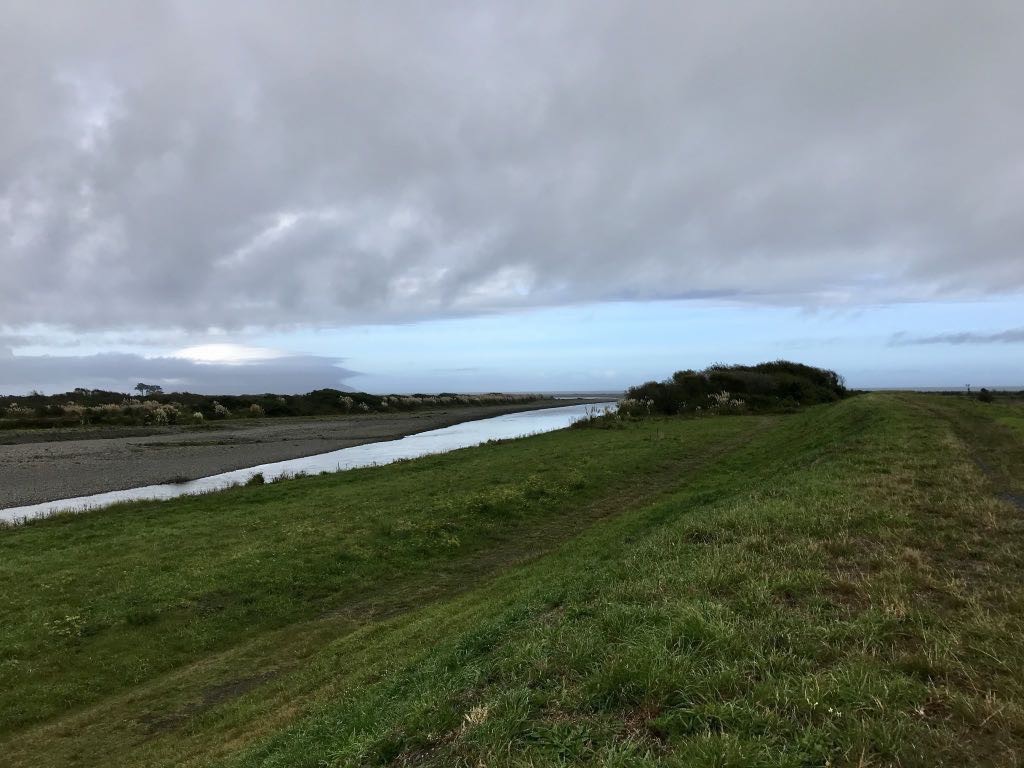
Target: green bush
(776,386)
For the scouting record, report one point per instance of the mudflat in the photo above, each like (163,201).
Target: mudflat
(39,465)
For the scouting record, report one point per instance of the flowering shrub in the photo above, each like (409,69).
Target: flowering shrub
(15,411)
(635,407)
(219,411)
(256,410)
(73,409)
(166,414)
(149,412)
(723,401)
(128,411)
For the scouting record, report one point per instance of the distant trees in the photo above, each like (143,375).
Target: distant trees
(149,389)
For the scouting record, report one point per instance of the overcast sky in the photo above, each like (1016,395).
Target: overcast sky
(448,195)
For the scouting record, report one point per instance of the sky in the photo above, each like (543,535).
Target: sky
(465,196)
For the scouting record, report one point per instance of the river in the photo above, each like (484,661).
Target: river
(464,435)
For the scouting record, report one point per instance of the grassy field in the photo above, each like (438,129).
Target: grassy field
(841,586)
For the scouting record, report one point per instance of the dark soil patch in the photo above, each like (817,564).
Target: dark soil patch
(211,697)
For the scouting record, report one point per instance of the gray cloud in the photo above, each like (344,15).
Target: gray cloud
(1011,336)
(120,372)
(188,164)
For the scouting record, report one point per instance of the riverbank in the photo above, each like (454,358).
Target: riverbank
(839,586)
(35,470)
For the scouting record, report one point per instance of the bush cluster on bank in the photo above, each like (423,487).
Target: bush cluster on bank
(99,407)
(776,386)
(779,386)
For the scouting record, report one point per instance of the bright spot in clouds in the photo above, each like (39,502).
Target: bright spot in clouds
(227,353)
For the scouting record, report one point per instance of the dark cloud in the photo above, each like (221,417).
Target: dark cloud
(1011,336)
(120,372)
(230,164)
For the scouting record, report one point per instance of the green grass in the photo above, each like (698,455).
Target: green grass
(841,586)
(1011,416)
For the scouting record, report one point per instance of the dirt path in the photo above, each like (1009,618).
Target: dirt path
(33,472)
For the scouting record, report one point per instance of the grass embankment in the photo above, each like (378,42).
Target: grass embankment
(842,585)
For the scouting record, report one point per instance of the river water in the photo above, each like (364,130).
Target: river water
(464,435)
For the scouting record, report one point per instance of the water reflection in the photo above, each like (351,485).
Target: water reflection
(462,435)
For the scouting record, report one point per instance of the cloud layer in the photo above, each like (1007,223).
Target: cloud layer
(1010,336)
(120,372)
(234,164)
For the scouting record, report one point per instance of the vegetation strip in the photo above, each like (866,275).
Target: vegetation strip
(153,407)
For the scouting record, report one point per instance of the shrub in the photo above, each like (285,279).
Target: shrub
(73,409)
(256,411)
(776,386)
(636,407)
(163,414)
(15,411)
(602,418)
(723,401)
